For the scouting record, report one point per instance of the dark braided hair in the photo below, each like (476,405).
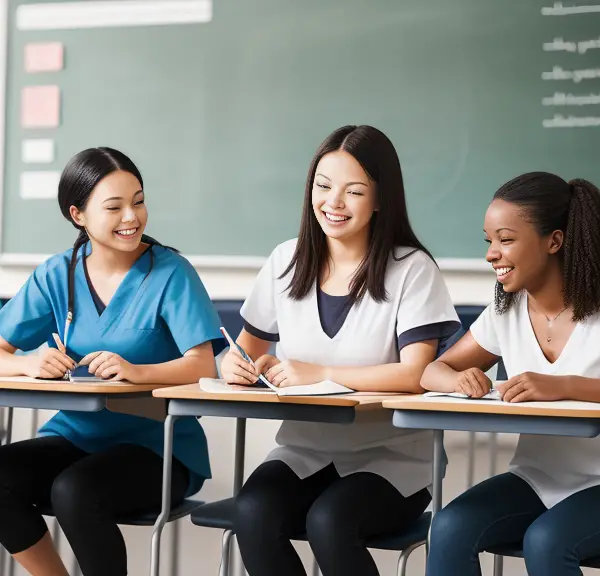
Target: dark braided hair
(550,204)
(77,182)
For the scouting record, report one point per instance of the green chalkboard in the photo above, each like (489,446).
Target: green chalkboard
(223,118)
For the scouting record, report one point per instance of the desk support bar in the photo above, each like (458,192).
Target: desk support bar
(53,401)
(512,424)
(166,496)
(263,410)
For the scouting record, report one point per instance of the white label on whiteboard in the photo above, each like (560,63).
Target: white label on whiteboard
(37,151)
(39,185)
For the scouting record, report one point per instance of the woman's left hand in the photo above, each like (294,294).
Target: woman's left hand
(532,387)
(109,366)
(294,373)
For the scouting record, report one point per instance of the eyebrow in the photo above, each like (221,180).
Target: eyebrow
(347,184)
(120,197)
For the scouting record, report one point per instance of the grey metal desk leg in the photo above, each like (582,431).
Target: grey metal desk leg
(9,430)
(438,470)
(498,565)
(240,454)
(238,479)
(166,496)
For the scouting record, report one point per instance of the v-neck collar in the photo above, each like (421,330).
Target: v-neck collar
(315,310)
(123,296)
(538,348)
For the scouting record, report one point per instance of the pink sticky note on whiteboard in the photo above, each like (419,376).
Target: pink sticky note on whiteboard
(44,57)
(40,107)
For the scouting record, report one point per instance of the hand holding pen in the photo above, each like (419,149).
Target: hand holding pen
(50,363)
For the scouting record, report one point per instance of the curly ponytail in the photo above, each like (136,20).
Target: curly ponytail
(581,250)
(550,204)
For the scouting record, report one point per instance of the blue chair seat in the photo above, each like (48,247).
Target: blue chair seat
(148,518)
(516,551)
(220,515)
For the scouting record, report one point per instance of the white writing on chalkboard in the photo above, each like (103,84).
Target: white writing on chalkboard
(559,9)
(576,70)
(559,45)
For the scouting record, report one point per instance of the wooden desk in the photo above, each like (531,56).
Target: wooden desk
(580,419)
(191,400)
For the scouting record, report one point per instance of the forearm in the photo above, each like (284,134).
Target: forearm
(186,370)
(12,365)
(394,377)
(580,388)
(439,377)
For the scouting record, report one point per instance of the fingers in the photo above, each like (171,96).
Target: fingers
(236,370)
(85,361)
(49,371)
(107,369)
(98,361)
(482,383)
(513,392)
(275,371)
(278,378)
(265,363)
(63,359)
(524,396)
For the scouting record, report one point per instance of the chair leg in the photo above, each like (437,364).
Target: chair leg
(498,565)
(225,553)
(316,571)
(403,560)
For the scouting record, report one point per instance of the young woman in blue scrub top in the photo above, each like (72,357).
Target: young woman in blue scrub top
(544,244)
(358,300)
(131,309)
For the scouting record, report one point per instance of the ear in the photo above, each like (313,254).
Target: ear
(556,241)
(77,216)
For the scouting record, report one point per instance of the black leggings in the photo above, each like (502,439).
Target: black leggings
(337,514)
(87,493)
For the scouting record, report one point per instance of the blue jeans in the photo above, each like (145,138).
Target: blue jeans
(506,510)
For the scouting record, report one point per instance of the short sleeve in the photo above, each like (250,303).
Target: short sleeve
(425,311)
(27,320)
(259,311)
(484,330)
(188,311)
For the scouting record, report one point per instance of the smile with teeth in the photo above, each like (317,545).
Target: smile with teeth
(336,217)
(128,232)
(502,272)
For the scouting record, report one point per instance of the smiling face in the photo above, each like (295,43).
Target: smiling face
(343,196)
(115,215)
(520,256)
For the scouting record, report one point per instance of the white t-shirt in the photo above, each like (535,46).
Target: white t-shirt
(555,467)
(417,297)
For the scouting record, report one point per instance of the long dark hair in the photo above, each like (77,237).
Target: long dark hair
(550,204)
(77,182)
(389,227)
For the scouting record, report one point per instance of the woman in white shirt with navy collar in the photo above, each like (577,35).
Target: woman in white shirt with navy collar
(355,299)
(544,237)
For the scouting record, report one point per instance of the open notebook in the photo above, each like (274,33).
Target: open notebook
(325,388)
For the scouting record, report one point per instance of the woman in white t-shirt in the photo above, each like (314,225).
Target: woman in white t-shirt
(355,299)
(544,236)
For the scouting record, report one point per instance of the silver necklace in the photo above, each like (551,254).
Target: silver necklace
(551,321)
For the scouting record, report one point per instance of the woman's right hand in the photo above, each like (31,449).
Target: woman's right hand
(236,370)
(49,364)
(473,382)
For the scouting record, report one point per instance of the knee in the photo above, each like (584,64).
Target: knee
(449,529)
(543,546)
(74,494)
(325,524)
(256,511)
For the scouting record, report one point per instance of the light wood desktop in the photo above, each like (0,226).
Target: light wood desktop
(562,409)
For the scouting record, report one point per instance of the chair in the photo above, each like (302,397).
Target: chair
(220,515)
(516,551)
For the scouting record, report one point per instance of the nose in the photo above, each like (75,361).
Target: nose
(336,198)
(493,254)
(128,215)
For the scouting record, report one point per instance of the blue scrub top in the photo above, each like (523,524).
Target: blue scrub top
(156,315)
